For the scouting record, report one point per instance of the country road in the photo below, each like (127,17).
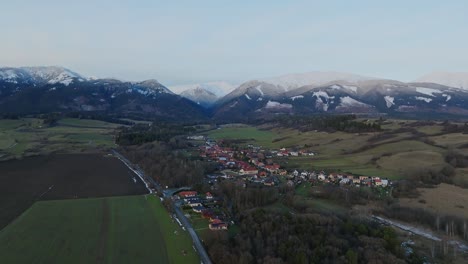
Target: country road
(176,206)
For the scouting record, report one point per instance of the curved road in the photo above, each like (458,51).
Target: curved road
(176,206)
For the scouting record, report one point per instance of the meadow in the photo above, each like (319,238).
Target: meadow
(29,136)
(131,229)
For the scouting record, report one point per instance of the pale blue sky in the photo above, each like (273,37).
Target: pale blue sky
(180,42)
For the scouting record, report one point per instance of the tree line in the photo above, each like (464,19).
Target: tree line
(331,123)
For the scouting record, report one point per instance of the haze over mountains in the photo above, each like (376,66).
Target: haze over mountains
(46,89)
(452,79)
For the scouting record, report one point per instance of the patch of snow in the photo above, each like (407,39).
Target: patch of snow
(448,96)
(260,99)
(259,89)
(350,87)
(297,97)
(248,97)
(420,98)
(143,92)
(348,101)
(346,87)
(322,94)
(273,104)
(389,101)
(427,91)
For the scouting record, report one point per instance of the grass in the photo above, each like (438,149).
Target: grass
(132,229)
(28,136)
(450,140)
(249,133)
(444,199)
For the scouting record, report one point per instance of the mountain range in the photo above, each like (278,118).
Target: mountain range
(30,90)
(27,90)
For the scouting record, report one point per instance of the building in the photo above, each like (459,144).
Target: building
(186,194)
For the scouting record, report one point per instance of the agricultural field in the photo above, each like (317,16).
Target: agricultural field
(131,229)
(445,199)
(62,176)
(28,136)
(402,147)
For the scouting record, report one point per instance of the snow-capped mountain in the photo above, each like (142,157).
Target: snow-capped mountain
(271,88)
(452,79)
(200,96)
(39,75)
(219,88)
(151,86)
(293,81)
(362,97)
(45,89)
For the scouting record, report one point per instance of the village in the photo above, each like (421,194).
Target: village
(255,166)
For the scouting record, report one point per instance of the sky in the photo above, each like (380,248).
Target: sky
(183,42)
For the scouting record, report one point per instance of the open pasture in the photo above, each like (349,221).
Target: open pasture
(28,136)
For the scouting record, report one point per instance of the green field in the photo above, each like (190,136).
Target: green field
(133,229)
(28,136)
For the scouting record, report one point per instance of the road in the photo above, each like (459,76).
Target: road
(420,232)
(196,240)
(176,206)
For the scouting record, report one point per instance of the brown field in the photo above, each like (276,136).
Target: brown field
(445,199)
(65,176)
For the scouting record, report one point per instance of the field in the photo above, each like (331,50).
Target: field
(61,176)
(131,229)
(445,199)
(401,148)
(28,136)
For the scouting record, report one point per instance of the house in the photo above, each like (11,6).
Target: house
(385,183)
(269,182)
(362,178)
(198,209)
(321,176)
(345,181)
(207,213)
(367,182)
(209,196)
(248,171)
(218,225)
(378,182)
(272,168)
(193,201)
(186,194)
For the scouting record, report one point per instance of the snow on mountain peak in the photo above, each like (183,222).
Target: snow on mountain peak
(219,88)
(293,81)
(42,74)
